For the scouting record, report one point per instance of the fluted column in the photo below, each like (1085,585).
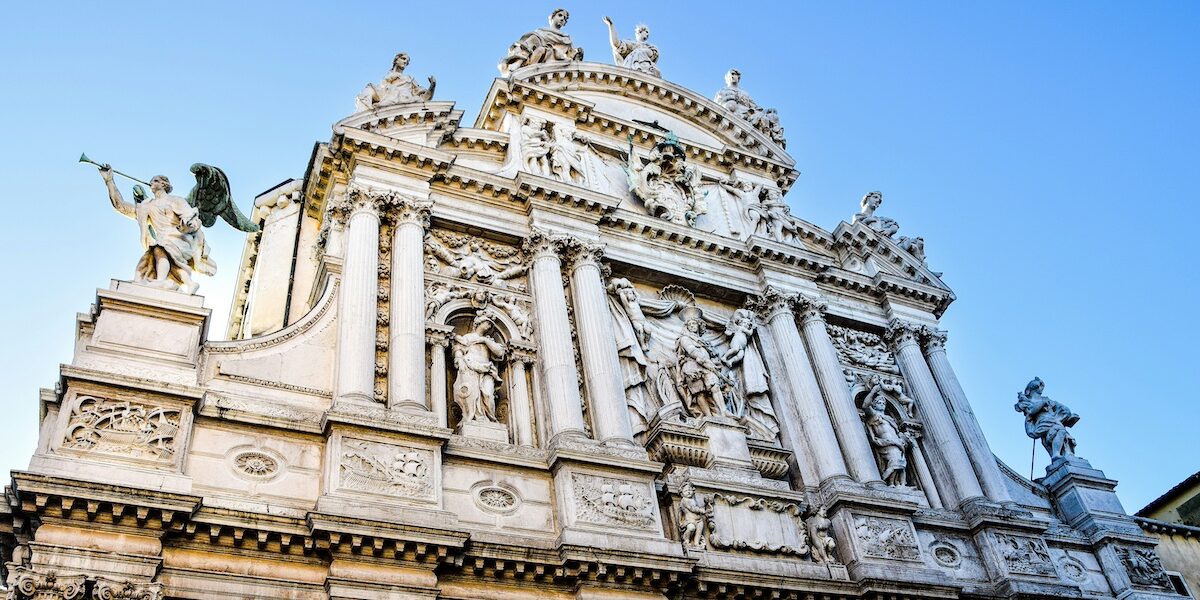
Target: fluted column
(949,450)
(921,465)
(860,458)
(406,332)
(358,297)
(597,343)
(804,402)
(960,411)
(559,377)
(519,400)
(437,377)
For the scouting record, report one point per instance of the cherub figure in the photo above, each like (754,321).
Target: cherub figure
(740,328)
(694,514)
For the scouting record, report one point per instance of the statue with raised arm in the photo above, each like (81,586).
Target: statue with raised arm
(1047,420)
(170,226)
(636,54)
(542,45)
(475,356)
(395,88)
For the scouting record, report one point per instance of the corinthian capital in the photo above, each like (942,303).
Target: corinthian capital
(24,582)
(810,308)
(111,589)
(902,333)
(580,252)
(772,302)
(402,209)
(541,243)
(934,339)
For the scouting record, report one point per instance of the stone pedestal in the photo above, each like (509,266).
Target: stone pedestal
(484,430)
(727,444)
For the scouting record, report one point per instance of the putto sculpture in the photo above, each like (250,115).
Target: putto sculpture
(820,537)
(1047,420)
(542,45)
(395,88)
(171,226)
(694,514)
(637,54)
(734,99)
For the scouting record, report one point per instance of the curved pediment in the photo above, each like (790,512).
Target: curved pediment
(648,99)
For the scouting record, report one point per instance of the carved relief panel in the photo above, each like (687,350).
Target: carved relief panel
(1023,555)
(884,537)
(140,429)
(473,259)
(388,469)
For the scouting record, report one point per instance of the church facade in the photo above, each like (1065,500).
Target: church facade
(577,349)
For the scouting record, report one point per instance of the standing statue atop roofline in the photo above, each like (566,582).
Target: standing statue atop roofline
(637,54)
(1047,420)
(542,45)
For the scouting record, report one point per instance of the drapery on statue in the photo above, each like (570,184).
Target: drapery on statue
(542,45)
(475,354)
(701,384)
(734,99)
(395,88)
(889,442)
(1047,420)
(884,225)
(636,54)
(171,226)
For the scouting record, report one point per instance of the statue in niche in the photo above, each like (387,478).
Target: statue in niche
(701,383)
(637,54)
(890,443)
(750,402)
(395,88)
(542,45)
(882,225)
(475,357)
(694,514)
(820,537)
(734,99)
(666,183)
(473,259)
(535,145)
(648,383)
(770,217)
(566,158)
(170,226)
(1047,420)
(880,386)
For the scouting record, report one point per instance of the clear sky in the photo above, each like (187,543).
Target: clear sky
(1045,150)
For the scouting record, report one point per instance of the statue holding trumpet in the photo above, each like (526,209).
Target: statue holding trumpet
(171,226)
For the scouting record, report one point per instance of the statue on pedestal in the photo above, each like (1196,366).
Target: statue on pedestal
(734,99)
(475,356)
(395,88)
(1047,420)
(171,226)
(542,45)
(889,441)
(694,514)
(637,54)
(883,225)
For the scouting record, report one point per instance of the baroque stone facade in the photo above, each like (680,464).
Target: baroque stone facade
(580,348)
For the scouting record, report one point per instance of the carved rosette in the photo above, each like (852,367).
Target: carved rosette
(111,589)
(902,333)
(26,584)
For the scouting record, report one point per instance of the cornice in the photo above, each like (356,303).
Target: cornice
(656,231)
(423,114)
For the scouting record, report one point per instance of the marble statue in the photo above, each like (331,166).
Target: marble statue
(667,184)
(473,259)
(395,88)
(734,99)
(566,159)
(170,226)
(883,225)
(889,441)
(880,385)
(636,54)
(739,329)
(820,537)
(542,45)
(535,146)
(694,514)
(770,217)
(1047,420)
(701,382)
(475,356)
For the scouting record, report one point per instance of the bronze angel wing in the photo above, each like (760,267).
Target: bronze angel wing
(211,197)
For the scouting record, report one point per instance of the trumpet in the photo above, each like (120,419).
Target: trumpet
(83,158)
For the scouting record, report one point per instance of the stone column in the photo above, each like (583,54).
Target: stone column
(437,377)
(921,465)
(860,458)
(520,403)
(597,344)
(358,296)
(964,418)
(406,332)
(804,402)
(950,454)
(559,377)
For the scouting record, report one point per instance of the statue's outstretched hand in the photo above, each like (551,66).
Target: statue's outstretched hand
(106,172)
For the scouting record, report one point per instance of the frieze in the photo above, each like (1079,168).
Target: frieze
(474,259)
(862,349)
(883,537)
(386,469)
(1144,568)
(273,410)
(614,502)
(123,428)
(1024,555)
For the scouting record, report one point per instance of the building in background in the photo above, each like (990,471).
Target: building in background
(577,349)
(1174,518)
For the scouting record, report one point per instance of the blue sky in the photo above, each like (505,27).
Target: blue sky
(1045,150)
